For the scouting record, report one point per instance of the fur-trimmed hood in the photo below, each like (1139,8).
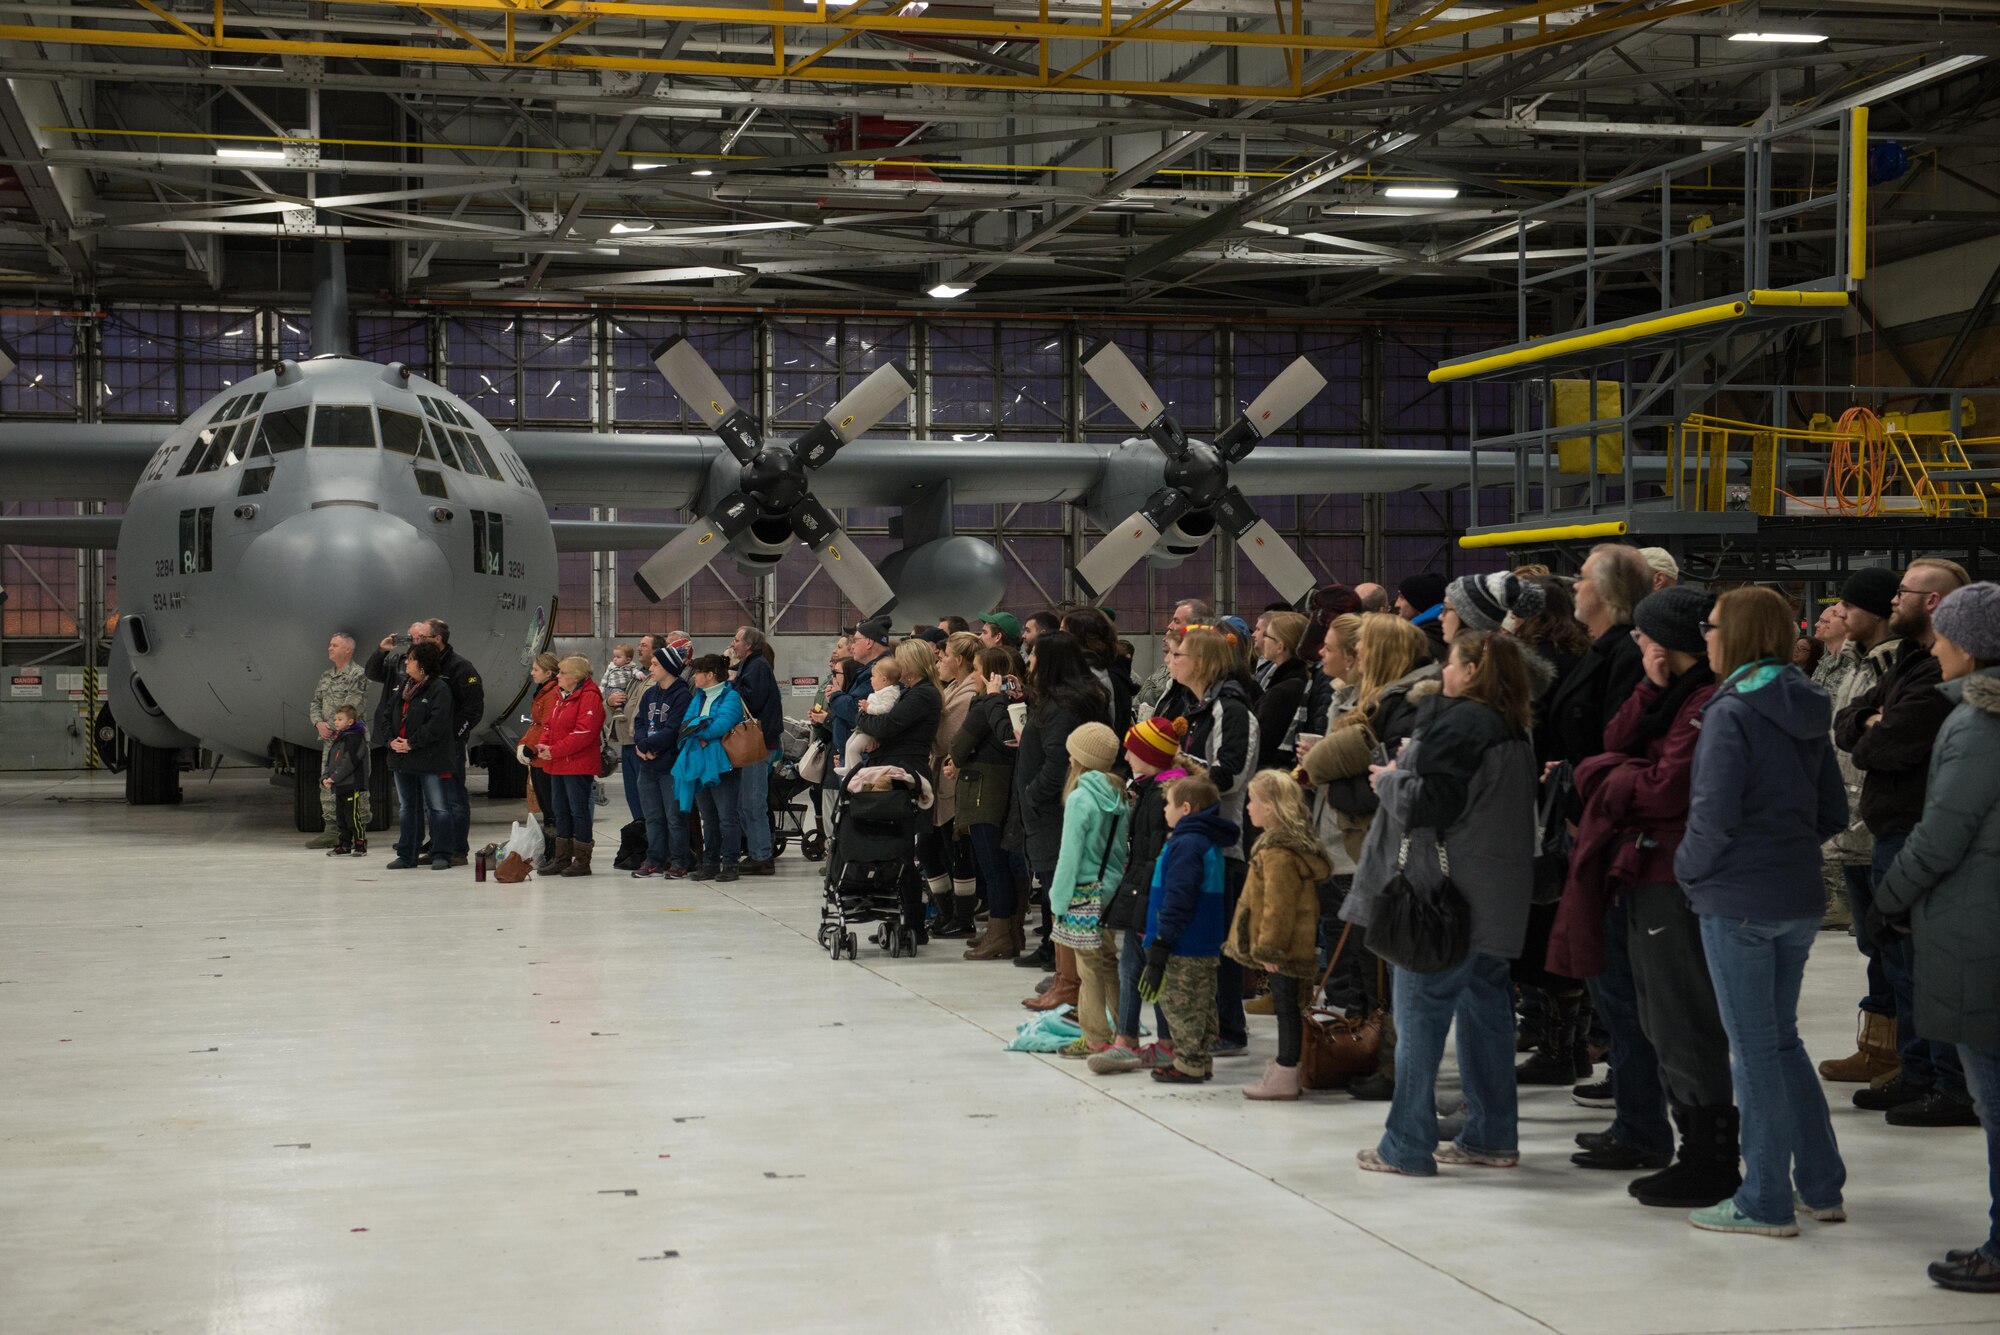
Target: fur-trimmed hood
(1981,690)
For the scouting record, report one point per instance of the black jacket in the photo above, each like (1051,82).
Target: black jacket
(906,731)
(1591,696)
(347,761)
(1894,756)
(468,697)
(1559,665)
(1319,702)
(1041,769)
(1283,692)
(982,738)
(1147,835)
(425,722)
(1222,738)
(758,686)
(387,668)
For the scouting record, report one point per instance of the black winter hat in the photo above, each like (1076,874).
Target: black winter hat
(1423,590)
(1872,590)
(1672,618)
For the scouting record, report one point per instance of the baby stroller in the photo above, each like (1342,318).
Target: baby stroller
(787,789)
(871,865)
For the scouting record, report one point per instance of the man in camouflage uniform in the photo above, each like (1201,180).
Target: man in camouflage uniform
(341,684)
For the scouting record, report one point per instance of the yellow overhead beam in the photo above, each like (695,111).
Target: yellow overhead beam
(1560,533)
(1857,195)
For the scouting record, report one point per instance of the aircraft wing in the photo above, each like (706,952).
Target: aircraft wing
(593,535)
(76,461)
(649,470)
(96,532)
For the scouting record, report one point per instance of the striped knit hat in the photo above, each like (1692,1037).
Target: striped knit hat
(1484,602)
(1156,740)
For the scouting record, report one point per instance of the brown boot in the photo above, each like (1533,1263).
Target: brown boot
(1068,984)
(556,858)
(579,862)
(999,940)
(1875,1053)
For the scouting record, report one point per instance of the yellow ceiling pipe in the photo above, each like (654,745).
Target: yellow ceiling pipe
(1614,528)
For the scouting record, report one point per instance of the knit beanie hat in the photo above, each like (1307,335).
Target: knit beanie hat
(1970,618)
(1235,627)
(1873,590)
(1156,740)
(1093,746)
(1484,602)
(877,631)
(1423,590)
(672,657)
(1672,618)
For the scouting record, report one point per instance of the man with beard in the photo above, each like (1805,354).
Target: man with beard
(1888,732)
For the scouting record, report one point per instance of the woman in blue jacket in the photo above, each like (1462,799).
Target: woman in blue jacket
(656,744)
(1766,794)
(702,772)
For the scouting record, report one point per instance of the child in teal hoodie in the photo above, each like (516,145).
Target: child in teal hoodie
(1091,858)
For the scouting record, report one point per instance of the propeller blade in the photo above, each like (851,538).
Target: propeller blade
(1122,548)
(694,547)
(1282,399)
(701,389)
(1125,385)
(1256,539)
(848,566)
(9,359)
(862,407)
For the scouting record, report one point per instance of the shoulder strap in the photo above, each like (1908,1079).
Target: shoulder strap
(1110,837)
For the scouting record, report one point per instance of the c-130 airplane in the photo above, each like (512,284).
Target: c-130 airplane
(339,494)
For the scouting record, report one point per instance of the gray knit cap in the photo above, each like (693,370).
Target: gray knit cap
(1484,602)
(1672,618)
(1970,618)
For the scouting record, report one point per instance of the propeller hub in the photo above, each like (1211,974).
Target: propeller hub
(775,478)
(1200,475)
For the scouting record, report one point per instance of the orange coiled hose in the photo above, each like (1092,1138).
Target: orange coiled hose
(1858,467)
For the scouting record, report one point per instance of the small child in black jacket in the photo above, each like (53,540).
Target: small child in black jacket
(347,775)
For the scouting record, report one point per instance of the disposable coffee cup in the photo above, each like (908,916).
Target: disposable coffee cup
(1017,714)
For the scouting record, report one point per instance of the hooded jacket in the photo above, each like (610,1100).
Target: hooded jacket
(468,697)
(1146,835)
(1635,804)
(1947,876)
(702,761)
(1184,908)
(656,728)
(1853,675)
(1042,766)
(1765,794)
(575,731)
(1894,755)
(1222,738)
(1093,839)
(347,765)
(1277,919)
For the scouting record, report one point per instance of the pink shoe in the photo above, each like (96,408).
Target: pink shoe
(1277,1084)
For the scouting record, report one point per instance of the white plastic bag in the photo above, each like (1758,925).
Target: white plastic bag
(524,838)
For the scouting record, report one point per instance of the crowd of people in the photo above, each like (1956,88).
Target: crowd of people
(1583,820)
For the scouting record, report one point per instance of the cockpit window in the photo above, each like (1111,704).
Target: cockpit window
(344,426)
(470,440)
(447,449)
(402,433)
(284,430)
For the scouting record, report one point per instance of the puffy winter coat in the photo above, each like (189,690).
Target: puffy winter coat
(1146,835)
(1184,910)
(544,700)
(1277,919)
(423,719)
(1765,794)
(575,731)
(656,728)
(702,762)
(1222,738)
(1093,839)
(1895,754)
(907,731)
(347,761)
(1947,876)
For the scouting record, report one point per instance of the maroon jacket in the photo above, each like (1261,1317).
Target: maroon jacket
(1635,797)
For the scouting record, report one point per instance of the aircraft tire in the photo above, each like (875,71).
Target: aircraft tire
(506,780)
(381,793)
(152,775)
(306,813)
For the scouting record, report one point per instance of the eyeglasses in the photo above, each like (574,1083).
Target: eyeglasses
(1904,591)
(1709,628)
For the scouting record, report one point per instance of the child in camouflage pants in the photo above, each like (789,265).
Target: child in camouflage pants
(1185,926)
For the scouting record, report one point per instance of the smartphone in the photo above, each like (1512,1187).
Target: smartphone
(1378,754)
(401,641)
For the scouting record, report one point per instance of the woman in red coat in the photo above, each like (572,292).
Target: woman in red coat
(571,751)
(543,674)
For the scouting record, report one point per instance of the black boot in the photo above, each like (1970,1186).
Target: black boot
(954,919)
(1554,1063)
(1706,1173)
(1043,956)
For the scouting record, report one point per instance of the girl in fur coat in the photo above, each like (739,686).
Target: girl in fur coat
(1276,928)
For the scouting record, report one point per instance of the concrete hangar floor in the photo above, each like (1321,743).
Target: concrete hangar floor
(253,1089)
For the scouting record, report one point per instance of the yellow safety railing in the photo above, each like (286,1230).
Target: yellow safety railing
(1872,468)
(1939,473)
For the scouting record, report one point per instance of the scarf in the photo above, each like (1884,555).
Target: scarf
(1659,716)
(1754,676)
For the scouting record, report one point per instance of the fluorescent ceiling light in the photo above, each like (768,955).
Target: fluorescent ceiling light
(623,229)
(1421,192)
(251,154)
(713,229)
(647,166)
(701,171)
(950,291)
(1801,38)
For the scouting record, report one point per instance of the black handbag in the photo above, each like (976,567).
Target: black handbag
(1424,931)
(1554,842)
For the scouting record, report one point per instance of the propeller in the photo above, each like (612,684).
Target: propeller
(1196,474)
(773,483)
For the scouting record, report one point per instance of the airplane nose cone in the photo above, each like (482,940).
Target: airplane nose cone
(345,567)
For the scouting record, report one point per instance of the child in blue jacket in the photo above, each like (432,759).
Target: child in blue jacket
(1185,926)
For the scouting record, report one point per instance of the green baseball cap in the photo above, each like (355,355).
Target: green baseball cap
(1008,624)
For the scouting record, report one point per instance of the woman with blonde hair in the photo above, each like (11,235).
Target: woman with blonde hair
(1284,688)
(1222,738)
(948,866)
(1276,928)
(903,738)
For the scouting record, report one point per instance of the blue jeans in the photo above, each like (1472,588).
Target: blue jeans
(459,803)
(421,796)
(1787,1132)
(1881,999)
(666,823)
(1641,1100)
(996,868)
(1926,1065)
(575,805)
(753,796)
(1479,995)
(1131,963)
(630,768)
(721,821)
(1982,1075)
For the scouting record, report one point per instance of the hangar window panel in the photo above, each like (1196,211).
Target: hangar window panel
(640,395)
(483,365)
(218,349)
(284,429)
(576,582)
(1334,556)
(1252,591)
(347,426)
(1333,510)
(636,616)
(44,381)
(1127,598)
(556,367)
(815,362)
(719,598)
(1034,379)
(402,433)
(1407,554)
(807,601)
(41,582)
(1178,361)
(395,338)
(1192,578)
(294,335)
(141,364)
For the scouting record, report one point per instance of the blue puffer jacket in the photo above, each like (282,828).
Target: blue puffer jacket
(702,761)
(1765,794)
(656,728)
(1184,910)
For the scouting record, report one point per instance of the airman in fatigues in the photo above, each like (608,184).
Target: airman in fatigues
(343,683)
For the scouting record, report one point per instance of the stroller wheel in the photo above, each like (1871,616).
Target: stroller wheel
(851,944)
(813,846)
(778,842)
(906,941)
(825,933)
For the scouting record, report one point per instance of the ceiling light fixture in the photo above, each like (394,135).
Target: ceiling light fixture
(251,154)
(702,171)
(949,291)
(1421,192)
(626,229)
(647,166)
(1798,38)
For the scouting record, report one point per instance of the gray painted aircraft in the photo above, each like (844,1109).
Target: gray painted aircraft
(335,493)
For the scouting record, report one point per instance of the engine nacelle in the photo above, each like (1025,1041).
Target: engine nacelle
(759,548)
(1183,539)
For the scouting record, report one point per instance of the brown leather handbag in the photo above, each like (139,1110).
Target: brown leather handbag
(1336,1048)
(744,744)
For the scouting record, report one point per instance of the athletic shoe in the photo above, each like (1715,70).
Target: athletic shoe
(1222,1047)
(1371,1161)
(360,848)
(1934,1109)
(643,872)
(1830,1214)
(1454,1153)
(1174,1075)
(727,874)
(1970,1272)
(340,851)
(1594,1095)
(1726,1218)
(1116,1059)
(1081,1048)
(676,873)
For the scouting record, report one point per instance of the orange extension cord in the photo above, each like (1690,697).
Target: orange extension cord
(1858,467)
